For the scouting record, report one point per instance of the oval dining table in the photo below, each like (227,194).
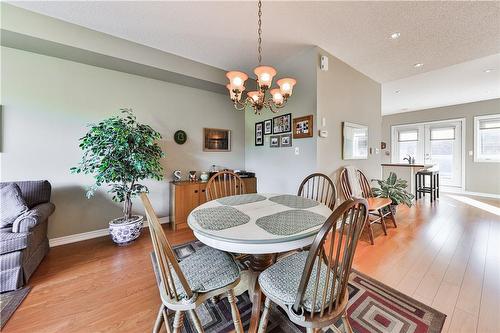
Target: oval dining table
(259,225)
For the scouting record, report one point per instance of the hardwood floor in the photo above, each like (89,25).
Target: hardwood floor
(446,255)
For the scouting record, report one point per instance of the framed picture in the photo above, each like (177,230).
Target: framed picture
(274,141)
(355,141)
(286,140)
(303,127)
(268,126)
(282,124)
(216,139)
(259,134)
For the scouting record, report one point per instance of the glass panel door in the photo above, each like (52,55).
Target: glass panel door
(443,146)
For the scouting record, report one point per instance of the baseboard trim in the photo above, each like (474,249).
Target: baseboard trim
(476,194)
(89,235)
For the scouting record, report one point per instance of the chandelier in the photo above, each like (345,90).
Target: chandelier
(258,99)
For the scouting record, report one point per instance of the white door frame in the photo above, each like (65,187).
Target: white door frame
(463,125)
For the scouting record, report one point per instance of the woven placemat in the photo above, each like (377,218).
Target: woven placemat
(236,200)
(294,201)
(220,218)
(290,222)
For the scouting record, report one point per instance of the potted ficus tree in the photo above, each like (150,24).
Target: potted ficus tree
(120,152)
(394,189)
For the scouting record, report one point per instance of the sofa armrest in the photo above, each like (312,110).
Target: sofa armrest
(32,217)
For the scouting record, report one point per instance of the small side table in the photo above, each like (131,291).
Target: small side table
(422,189)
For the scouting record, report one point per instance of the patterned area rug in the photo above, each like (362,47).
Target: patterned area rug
(9,302)
(373,307)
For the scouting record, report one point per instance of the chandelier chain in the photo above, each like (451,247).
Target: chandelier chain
(260,32)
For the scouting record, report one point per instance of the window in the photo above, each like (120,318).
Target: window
(487,138)
(407,143)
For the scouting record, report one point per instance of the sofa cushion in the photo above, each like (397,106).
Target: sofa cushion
(10,242)
(34,192)
(12,204)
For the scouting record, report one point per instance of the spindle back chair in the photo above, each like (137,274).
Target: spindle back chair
(319,187)
(325,276)
(224,184)
(175,291)
(363,183)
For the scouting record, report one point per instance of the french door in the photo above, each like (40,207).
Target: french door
(438,143)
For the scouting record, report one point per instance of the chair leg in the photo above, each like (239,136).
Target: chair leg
(393,218)
(196,321)
(165,319)
(159,320)
(178,321)
(238,326)
(264,319)
(382,221)
(347,325)
(370,232)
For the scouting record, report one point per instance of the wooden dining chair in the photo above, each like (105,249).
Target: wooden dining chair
(319,187)
(363,183)
(377,211)
(187,284)
(224,184)
(311,286)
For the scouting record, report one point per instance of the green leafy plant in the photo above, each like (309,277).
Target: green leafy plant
(394,189)
(120,152)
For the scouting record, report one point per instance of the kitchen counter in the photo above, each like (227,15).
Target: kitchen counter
(422,166)
(404,171)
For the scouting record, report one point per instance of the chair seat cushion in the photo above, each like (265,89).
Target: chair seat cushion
(281,281)
(12,241)
(208,269)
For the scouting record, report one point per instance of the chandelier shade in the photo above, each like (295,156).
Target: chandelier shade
(286,86)
(264,78)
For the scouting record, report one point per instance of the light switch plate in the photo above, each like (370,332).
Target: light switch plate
(471,153)
(297,151)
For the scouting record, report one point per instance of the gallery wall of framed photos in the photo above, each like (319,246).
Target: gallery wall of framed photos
(283,129)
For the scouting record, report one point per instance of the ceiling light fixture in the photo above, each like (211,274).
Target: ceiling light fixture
(265,74)
(489,70)
(395,35)
(397,91)
(418,65)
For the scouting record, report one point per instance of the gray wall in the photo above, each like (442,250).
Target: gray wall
(279,170)
(345,94)
(47,103)
(339,94)
(479,177)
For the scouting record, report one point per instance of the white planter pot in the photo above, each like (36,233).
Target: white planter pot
(124,232)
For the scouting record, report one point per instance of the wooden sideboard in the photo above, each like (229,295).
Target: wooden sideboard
(186,196)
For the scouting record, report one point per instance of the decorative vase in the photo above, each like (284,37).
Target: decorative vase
(204,176)
(124,232)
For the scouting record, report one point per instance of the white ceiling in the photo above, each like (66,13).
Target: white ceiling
(457,84)
(223,34)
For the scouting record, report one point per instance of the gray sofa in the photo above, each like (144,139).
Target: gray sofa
(24,244)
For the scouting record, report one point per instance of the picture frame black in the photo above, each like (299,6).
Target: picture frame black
(286,140)
(268,126)
(274,141)
(282,124)
(259,133)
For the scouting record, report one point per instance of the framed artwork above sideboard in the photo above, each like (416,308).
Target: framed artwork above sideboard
(216,139)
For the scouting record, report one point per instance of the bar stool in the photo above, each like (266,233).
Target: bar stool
(432,189)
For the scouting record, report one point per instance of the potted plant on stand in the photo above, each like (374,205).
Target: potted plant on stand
(120,152)
(394,189)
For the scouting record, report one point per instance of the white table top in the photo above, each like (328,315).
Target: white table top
(257,223)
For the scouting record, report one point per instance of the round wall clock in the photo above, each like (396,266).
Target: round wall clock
(180,137)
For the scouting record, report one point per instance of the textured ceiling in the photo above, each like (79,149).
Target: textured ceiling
(223,34)
(457,84)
